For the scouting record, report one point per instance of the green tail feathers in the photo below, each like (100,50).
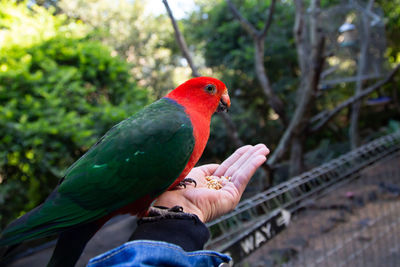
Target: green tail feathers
(52,217)
(18,231)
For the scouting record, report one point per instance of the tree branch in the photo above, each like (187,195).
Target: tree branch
(251,30)
(181,41)
(327,116)
(299,31)
(231,129)
(258,37)
(268,21)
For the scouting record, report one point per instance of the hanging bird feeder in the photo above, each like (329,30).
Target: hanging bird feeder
(347,35)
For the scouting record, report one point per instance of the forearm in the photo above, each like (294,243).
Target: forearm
(173,226)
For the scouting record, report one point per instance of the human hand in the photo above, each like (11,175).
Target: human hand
(209,204)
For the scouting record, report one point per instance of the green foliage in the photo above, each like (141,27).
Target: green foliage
(391,10)
(23,27)
(133,34)
(58,94)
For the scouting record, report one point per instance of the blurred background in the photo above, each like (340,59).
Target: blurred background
(312,79)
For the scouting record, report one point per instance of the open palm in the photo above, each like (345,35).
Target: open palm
(209,204)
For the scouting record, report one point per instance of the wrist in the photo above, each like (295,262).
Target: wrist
(196,211)
(187,206)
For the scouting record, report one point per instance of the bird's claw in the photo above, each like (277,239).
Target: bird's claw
(187,180)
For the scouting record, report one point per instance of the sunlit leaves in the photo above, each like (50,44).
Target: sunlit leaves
(59,92)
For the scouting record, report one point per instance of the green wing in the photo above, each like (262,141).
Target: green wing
(141,156)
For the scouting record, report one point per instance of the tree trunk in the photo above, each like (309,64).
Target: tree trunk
(274,101)
(362,63)
(296,155)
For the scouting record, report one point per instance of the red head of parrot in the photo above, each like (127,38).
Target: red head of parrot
(203,94)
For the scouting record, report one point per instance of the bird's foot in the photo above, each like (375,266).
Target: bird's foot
(185,181)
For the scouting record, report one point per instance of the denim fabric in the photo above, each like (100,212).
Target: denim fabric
(156,253)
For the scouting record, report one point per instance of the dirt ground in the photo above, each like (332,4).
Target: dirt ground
(357,224)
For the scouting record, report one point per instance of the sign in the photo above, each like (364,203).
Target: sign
(261,233)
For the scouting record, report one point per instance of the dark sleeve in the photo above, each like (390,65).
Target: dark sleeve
(173,226)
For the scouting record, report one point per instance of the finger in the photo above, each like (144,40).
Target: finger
(249,153)
(262,150)
(242,177)
(231,160)
(208,169)
(248,168)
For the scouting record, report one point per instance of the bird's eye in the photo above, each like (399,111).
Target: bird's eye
(210,88)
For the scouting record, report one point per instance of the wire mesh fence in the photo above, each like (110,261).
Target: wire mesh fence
(343,214)
(357,224)
(344,26)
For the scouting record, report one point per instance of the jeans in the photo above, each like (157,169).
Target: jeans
(156,253)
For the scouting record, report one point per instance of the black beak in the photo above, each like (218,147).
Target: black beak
(222,106)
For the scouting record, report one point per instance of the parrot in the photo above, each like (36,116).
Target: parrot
(135,161)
